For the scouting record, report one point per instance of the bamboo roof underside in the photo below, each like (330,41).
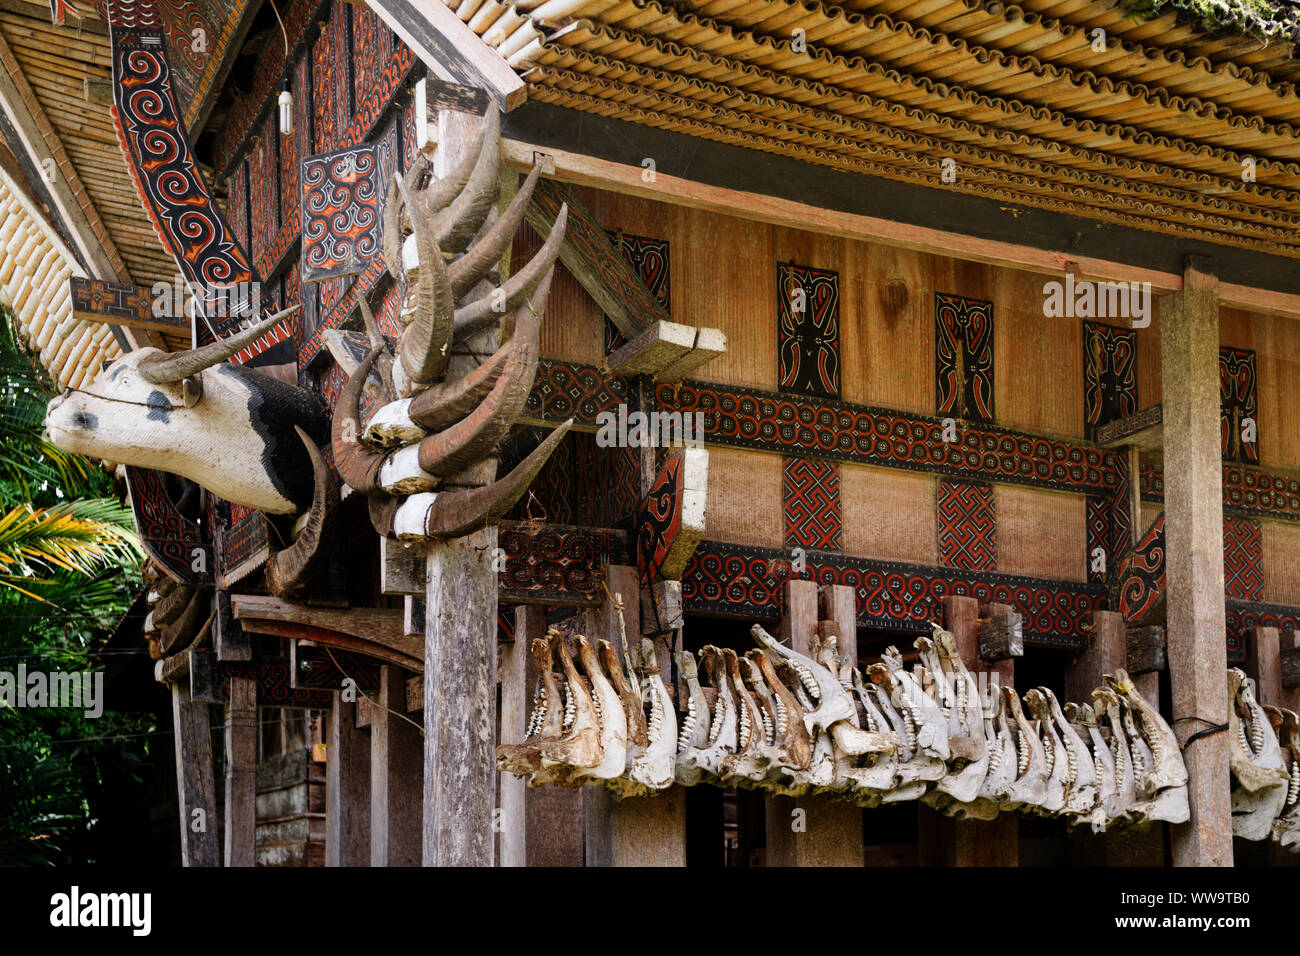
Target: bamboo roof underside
(56,62)
(1153,133)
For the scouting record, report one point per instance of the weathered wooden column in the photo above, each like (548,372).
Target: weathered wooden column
(460,636)
(241,772)
(541,826)
(395,774)
(945,841)
(347,788)
(1107,651)
(637,831)
(815,830)
(195,786)
(1189,362)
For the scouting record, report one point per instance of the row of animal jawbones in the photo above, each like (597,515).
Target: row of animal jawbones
(792,724)
(1264,757)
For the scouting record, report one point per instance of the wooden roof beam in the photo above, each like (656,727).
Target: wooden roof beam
(449,48)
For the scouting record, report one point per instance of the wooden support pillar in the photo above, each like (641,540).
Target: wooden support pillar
(396,752)
(347,788)
(1189,362)
(460,634)
(241,772)
(1264,647)
(827,832)
(541,826)
(1108,650)
(945,841)
(195,786)
(637,831)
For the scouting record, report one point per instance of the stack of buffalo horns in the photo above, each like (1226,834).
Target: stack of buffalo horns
(443,248)
(792,724)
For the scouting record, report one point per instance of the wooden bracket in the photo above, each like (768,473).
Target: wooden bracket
(661,608)
(1290,661)
(1145,650)
(668,350)
(1001,633)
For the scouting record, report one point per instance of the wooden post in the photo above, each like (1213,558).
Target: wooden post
(460,637)
(1108,650)
(949,842)
(195,786)
(395,763)
(826,833)
(241,772)
(347,788)
(637,831)
(1196,621)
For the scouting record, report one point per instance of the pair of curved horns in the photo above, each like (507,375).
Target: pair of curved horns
(174,366)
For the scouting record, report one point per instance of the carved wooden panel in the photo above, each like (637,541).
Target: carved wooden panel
(1243,575)
(1239,421)
(963,341)
(175,543)
(811,499)
(1110,389)
(808,330)
(1141,578)
(967,526)
(341,223)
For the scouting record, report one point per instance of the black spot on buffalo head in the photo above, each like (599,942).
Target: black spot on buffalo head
(85,420)
(160,409)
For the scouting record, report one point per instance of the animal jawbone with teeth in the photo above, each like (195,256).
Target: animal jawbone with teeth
(1260,779)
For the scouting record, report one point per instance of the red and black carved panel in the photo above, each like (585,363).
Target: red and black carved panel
(175,543)
(366,30)
(157,150)
(808,330)
(963,344)
(1250,490)
(811,499)
(239,541)
(1098,558)
(340,212)
(237,205)
(372,106)
(740,581)
(274,685)
(1141,576)
(556,564)
(1109,375)
(121,300)
(1113,432)
(842,431)
(324,92)
(1243,574)
(967,522)
(648,259)
(264,192)
(1244,615)
(659,518)
(562,390)
(1121,510)
(1239,418)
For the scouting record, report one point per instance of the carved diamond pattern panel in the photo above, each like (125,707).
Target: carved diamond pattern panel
(808,330)
(811,492)
(341,224)
(1098,557)
(1109,374)
(967,526)
(1239,420)
(1243,576)
(963,343)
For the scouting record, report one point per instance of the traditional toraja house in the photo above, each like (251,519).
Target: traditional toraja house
(966,314)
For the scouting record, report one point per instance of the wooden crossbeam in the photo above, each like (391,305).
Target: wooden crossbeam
(453,51)
(592,259)
(376,632)
(121,303)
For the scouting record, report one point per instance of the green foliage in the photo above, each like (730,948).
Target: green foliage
(1264,19)
(69,570)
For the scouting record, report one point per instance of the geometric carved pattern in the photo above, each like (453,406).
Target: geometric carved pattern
(556,564)
(1109,374)
(741,581)
(842,431)
(811,492)
(1252,490)
(561,390)
(340,212)
(967,526)
(1237,400)
(1121,518)
(158,154)
(1242,575)
(1141,576)
(1243,615)
(1098,557)
(172,540)
(808,330)
(648,259)
(963,342)
(659,517)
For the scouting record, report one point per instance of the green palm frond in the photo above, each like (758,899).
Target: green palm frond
(79,536)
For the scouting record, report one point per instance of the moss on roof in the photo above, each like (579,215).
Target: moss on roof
(1269,20)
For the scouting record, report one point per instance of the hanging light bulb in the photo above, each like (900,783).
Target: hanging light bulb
(286,109)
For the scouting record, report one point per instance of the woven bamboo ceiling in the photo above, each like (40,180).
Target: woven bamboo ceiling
(1154,132)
